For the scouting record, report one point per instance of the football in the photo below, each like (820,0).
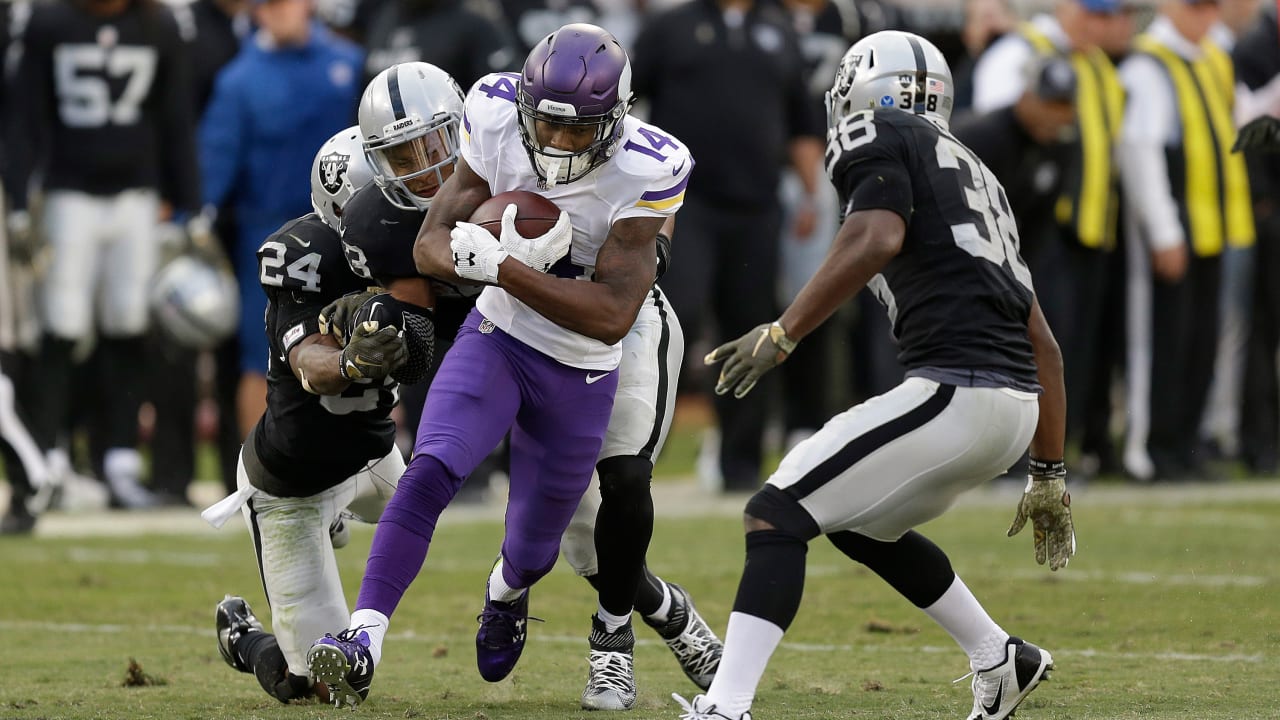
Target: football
(535,214)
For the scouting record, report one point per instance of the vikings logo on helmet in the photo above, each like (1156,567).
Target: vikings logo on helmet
(333,168)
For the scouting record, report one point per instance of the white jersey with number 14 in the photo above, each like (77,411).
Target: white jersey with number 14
(646,177)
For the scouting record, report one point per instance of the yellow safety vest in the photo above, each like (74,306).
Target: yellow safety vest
(1213,196)
(1090,201)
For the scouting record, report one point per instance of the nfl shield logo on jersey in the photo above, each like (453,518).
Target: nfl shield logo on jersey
(333,170)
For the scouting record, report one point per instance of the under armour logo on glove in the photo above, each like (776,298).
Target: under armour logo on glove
(476,253)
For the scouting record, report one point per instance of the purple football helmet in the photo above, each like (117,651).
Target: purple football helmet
(577,76)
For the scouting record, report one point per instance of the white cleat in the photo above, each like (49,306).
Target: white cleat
(998,690)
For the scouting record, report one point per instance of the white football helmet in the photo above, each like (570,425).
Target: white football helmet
(195,303)
(892,69)
(337,172)
(410,121)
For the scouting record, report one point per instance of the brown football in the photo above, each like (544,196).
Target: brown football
(535,214)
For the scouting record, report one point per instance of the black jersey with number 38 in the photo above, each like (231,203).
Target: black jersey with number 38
(309,443)
(958,293)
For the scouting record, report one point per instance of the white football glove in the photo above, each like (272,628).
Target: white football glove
(539,253)
(476,253)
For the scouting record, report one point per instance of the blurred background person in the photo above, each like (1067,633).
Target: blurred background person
(449,34)
(1257,63)
(1220,426)
(1072,259)
(106,127)
(1188,198)
(1027,146)
(727,77)
(213,31)
(985,21)
(825,28)
(292,85)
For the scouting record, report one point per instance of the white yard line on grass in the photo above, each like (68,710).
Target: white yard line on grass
(677,499)
(109,629)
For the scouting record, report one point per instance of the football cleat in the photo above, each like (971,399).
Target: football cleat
(691,640)
(500,639)
(343,662)
(998,690)
(611,683)
(233,618)
(699,709)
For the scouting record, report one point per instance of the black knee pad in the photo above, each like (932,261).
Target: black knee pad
(624,476)
(783,512)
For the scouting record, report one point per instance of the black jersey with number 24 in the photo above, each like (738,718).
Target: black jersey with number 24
(958,293)
(308,442)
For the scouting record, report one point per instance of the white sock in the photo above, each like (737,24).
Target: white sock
(664,607)
(749,642)
(374,623)
(963,617)
(611,622)
(499,589)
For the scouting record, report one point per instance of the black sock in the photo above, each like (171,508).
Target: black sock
(773,578)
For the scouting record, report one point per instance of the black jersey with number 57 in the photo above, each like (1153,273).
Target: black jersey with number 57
(308,443)
(958,293)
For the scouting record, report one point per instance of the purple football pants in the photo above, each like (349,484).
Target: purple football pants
(488,383)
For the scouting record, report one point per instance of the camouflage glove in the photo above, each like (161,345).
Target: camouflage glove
(1261,134)
(1047,503)
(372,353)
(749,357)
(23,241)
(336,317)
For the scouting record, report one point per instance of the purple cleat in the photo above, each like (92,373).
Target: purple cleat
(344,664)
(500,639)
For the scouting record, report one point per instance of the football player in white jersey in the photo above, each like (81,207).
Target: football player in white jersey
(540,353)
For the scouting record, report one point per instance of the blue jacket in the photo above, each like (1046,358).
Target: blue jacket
(271,110)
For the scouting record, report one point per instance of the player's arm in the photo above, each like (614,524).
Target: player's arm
(1045,500)
(865,243)
(879,190)
(1049,441)
(180,171)
(26,124)
(315,361)
(606,307)
(460,195)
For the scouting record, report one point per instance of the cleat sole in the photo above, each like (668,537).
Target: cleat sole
(329,665)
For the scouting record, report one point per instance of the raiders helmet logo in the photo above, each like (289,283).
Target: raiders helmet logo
(333,170)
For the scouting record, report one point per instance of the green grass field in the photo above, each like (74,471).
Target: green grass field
(1169,611)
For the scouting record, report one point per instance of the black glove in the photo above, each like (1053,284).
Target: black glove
(750,357)
(1046,502)
(1261,134)
(335,319)
(372,352)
